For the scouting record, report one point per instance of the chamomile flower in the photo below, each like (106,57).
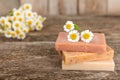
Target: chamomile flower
(7,25)
(29,22)
(27,6)
(68,26)
(1,31)
(14,18)
(28,14)
(21,36)
(39,27)
(41,19)
(20,18)
(25,29)
(87,36)
(13,34)
(18,31)
(73,36)
(17,13)
(16,25)
(8,34)
(9,18)
(35,14)
(2,20)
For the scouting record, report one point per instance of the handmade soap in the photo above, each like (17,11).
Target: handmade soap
(98,44)
(75,57)
(107,65)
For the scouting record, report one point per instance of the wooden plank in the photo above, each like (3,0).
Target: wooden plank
(53,7)
(68,7)
(7,5)
(93,7)
(40,6)
(114,7)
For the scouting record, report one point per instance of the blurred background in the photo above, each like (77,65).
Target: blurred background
(65,7)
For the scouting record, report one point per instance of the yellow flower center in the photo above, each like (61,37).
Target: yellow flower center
(27,7)
(30,29)
(37,23)
(8,33)
(29,14)
(41,19)
(6,25)
(29,22)
(24,31)
(3,21)
(14,18)
(86,36)
(73,36)
(17,13)
(68,26)
(20,19)
(17,31)
(17,25)
(21,35)
(13,34)
(39,27)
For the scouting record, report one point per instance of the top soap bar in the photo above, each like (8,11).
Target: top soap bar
(98,44)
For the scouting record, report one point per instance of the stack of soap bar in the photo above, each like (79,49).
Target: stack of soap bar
(79,55)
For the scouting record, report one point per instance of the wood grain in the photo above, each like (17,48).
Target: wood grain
(93,7)
(68,7)
(40,6)
(53,7)
(35,58)
(7,5)
(113,7)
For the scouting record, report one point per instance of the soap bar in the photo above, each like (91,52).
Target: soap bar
(107,65)
(75,57)
(98,44)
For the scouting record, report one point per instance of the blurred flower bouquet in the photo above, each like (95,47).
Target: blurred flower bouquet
(20,21)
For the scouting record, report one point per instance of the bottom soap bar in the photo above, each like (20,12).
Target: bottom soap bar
(93,65)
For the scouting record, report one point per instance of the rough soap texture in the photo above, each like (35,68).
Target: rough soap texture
(76,57)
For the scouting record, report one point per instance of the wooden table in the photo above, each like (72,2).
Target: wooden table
(35,57)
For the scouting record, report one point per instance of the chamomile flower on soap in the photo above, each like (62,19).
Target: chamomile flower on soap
(7,33)
(68,26)
(73,36)
(7,25)
(16,25)
(27,6)
(2,20)
(14,18)
(13,34)
(87,36)
(21,36)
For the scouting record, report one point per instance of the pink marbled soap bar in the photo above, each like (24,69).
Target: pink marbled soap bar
(98,44)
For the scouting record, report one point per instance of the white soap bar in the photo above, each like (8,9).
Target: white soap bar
(93,65)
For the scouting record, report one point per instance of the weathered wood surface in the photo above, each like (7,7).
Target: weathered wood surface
(7,5)
(113,7)
(93,7)
(65,7)
(35,57)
